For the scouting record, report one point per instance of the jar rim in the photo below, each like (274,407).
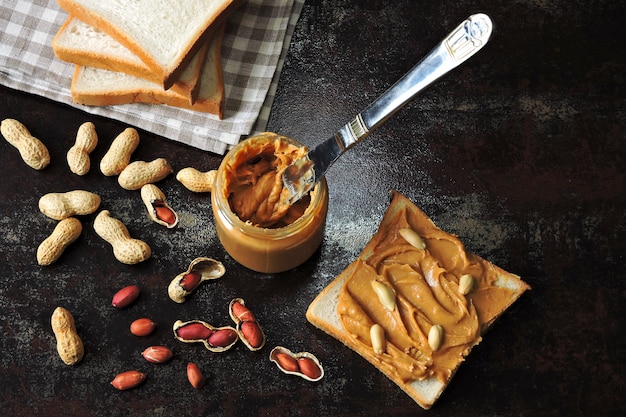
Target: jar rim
(318,196)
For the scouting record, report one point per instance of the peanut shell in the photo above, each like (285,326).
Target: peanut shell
(139,173)
(32,150)
(195,180)
(207,269)
(69,344)
(59,206)
(125,248)
(154,200)
(65,233)
(311,370)
(248,328)
(78,155)
(118,156)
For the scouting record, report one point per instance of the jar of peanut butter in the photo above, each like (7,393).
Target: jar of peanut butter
(255,223)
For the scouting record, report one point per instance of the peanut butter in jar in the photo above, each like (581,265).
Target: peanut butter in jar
(255,223)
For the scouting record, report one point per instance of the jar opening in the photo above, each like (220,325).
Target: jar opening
(252,181)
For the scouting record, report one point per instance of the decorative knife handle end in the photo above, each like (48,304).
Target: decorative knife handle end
(469,37)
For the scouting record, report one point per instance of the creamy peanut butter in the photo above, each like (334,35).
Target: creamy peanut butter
(426,286)
(254,183)
(254,220)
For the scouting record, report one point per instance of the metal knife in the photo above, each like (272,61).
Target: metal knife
(462,43)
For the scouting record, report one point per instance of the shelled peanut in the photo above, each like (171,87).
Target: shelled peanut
(65,232)
(142,327)
(32,150)
(195,376)
(435,337)
(78,155)
(69,344)
(126,249)
(413,238)
(125,296)
(119,153)
(466,283)
(386,295)
(128,380)
(157,354)
(377,339)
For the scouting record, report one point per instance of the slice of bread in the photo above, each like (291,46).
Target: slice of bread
(79,43)
(425,288)
(164,34)
(100,87)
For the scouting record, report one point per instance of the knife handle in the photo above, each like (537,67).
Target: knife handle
(461,44)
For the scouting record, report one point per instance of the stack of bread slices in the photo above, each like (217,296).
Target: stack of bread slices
(146,51)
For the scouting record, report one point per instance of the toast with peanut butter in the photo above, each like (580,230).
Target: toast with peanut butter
(414,302)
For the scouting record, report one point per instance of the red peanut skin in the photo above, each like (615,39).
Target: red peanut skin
(127,380)
(252,332)
(194,331)
(287,363)
(157,354)
(142,327)
(309,368)
(195,376)
(126,296)
(222,338)
(165,214)
(190,281)
(242,312)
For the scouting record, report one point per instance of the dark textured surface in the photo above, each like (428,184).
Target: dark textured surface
(520,152)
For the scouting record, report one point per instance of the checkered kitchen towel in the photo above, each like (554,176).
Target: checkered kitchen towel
(255,43)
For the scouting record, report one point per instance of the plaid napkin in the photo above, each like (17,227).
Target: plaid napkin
(255,43)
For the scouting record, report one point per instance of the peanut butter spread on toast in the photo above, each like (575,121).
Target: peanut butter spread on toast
(425,282)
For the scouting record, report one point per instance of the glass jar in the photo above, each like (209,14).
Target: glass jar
(265,249)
